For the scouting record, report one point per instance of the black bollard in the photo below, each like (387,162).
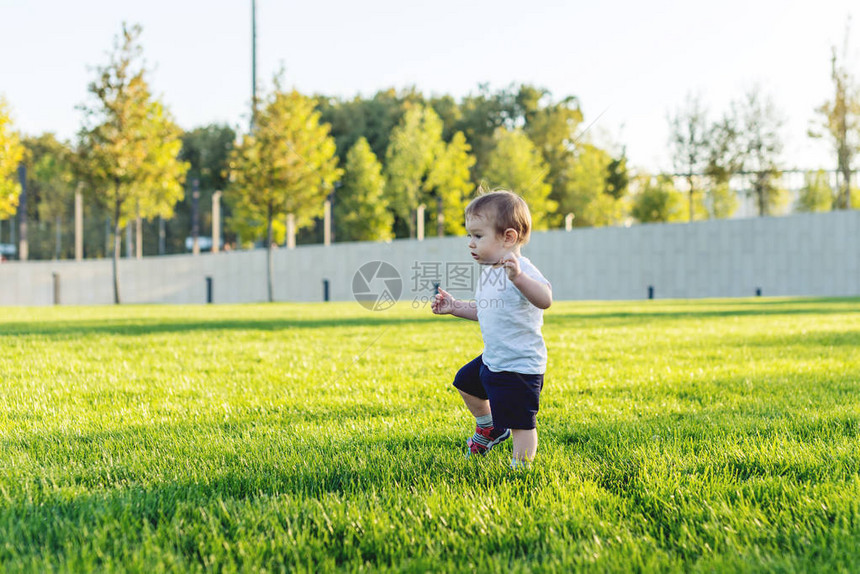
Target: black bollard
(758,291)
(325,290)
(208,289)
(650,291)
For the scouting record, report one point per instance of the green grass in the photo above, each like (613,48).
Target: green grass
(675,436)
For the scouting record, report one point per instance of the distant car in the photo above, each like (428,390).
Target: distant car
(203,241)
(7,250)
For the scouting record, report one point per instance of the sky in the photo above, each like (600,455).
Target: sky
(629,63)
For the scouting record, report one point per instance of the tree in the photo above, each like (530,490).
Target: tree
(816,194)
(761,146)
(657,200)
(721,201)
(287,165)
(360,210)
(688,139)
(481,115)
(586,192)
(449,180)
(11,154)
(617,178)
(553,129)
(840,119)
(725,160)
(129,144)
(449,112)
(51,182)
(517,165)
(748,141)
(414,146)
(373,118)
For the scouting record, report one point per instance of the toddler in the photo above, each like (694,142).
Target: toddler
(502,386)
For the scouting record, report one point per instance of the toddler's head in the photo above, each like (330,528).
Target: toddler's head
(503,210)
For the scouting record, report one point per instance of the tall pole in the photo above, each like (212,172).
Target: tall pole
(162,233)
(327,222)
(79,224)
(23,244)
(195,216)
(216,222)
(253,63)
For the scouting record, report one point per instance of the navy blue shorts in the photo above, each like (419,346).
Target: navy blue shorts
(514,397)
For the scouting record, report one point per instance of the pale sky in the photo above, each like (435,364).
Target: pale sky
(632,61)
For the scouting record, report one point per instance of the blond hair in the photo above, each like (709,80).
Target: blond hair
(505,210)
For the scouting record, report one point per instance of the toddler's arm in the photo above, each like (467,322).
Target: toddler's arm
(465,309)
(445,304)
(539,294)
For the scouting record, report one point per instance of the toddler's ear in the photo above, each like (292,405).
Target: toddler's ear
(511,235)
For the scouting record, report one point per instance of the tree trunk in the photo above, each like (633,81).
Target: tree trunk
(440,218)
(138,236)
(58,230)
(116,250)
(410,223)
(269,255)
(690,182)
(845,167)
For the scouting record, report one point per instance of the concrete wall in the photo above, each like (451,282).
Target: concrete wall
(805,254)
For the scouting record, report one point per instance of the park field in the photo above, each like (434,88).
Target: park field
(687,436)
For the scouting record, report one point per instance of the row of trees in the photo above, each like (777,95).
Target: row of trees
(746,141)
(385,159)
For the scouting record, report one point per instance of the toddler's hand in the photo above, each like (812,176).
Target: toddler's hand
(512,266)
(443,303)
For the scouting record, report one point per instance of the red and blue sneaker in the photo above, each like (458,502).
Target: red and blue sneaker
(485,439)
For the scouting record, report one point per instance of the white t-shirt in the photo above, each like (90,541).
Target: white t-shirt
(510,324)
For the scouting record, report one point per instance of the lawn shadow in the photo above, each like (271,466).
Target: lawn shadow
(140,327)
(671,311)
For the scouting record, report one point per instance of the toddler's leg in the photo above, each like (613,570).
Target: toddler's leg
(477,406)
(525,444)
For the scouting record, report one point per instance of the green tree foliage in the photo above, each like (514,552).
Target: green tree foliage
(657,200)
(747,141)
(372,119)
(481,115)
(617,177)
(449,112)
(51,186)
(840,120)
(587,194)
(761,146)
(816,193)
(725,157)
(129,145)
(552,128)
(360,208)
(286,166)
(450,182)
(414,146)
(720,202)
(517,165)
(11,154)
(688,140)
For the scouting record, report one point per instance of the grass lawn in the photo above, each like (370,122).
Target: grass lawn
(675,436)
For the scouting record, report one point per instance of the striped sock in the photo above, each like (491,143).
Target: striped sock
(484,422)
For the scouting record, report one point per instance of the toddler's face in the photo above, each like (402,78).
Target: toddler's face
(485,245)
